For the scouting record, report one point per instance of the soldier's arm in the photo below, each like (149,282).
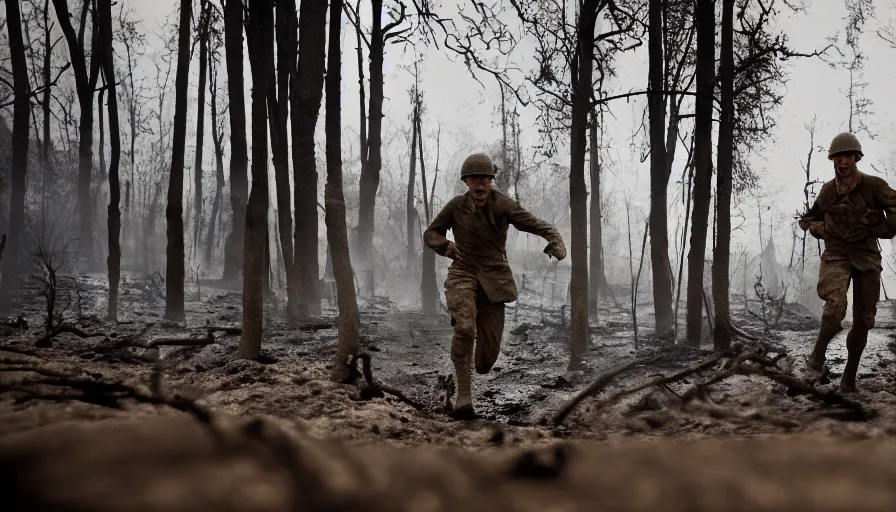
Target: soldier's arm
(523,220)
(434,236)
(886,200)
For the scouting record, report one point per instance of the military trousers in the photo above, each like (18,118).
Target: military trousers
(478,326)
(833,284)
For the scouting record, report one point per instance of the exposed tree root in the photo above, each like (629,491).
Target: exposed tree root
(598,385)
(208,339)
(377,390)
(45,340)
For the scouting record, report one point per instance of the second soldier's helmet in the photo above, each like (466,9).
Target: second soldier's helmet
(477,164)
(845,143)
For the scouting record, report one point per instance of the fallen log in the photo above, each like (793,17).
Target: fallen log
(375,389)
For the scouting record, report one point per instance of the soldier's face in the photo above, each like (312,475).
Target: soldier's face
(844,164)
(480,187)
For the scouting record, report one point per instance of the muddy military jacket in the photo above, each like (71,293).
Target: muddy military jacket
(480,234)
(849,234)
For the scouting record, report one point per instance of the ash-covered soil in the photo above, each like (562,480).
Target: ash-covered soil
(760,390)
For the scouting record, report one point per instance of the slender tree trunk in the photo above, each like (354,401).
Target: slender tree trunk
(412,178)
(305,97)
(260,33)
(114,222)
(217,137)
(705,18)
(722,252)
(428,288)
(239,180)
(286,32)
(200,125)
(595,255)
(19,160)
(174,212)
(503,178)
(337,235)
(45,104)
(370,175)
(578,195)
(659,235)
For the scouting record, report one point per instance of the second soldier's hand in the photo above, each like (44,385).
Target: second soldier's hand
(452,252)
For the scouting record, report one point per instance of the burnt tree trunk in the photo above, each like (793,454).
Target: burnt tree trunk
(578,195)
(705,18)
(260,33)
(278,105)
(659,235)
(337,233)
(217,138)
(412,178)
(370,174)
(114,222)
(19,160)
(174,211)
(305,98)
(722,250)
(503,178)
(428,291)
(84,84)
(45,105)
(595,255)
(200,124)
(239,180)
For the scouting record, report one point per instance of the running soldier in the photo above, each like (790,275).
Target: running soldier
(849,216)
(480,280)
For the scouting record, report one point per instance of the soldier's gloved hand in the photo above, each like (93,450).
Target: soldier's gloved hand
(556,249)
(872,218)
(804,224)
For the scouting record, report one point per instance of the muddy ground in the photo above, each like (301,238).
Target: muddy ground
(82,386)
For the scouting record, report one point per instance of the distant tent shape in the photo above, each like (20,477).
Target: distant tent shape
(771,270)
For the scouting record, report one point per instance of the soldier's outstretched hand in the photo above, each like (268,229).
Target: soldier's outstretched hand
(556,249)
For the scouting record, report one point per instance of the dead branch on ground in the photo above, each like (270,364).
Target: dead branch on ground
(45,340)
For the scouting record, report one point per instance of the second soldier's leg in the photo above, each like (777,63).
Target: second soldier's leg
(833,282)
(461,302)
(865,294)
(489,329)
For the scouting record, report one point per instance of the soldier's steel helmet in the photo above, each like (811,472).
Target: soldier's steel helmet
(477,164)
(844,143)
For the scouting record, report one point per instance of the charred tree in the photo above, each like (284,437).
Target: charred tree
(337,234)
(239,156)
(598,280)
(705,19)
(260,33)
(174,211)
(85,84)
(278,105)
(218,140)
(412,180)
(204,7)
(19,160)
(722,250)
(659,178)
(428,291)
(305,96)
(104,8)
(578,197)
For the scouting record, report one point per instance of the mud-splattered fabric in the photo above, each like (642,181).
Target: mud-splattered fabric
(854,221)
(833,285)
(478,326)
(480,234)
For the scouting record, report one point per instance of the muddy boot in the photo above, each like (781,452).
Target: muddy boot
(829,328)
(463,407)
(855,344)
